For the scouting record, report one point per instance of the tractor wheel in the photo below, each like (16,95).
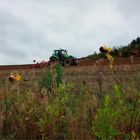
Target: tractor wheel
(67,62)
(74,62)
(53,61)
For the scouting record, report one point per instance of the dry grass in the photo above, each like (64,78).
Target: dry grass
(34,113)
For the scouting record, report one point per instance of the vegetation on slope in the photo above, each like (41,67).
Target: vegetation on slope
(121,51)
(52,108)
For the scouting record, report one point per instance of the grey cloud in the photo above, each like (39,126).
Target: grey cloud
(7,48)
(18,41)
(33,29)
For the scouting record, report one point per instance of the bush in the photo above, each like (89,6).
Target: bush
(59,74)
(51,77)
(46,79)
(103,124)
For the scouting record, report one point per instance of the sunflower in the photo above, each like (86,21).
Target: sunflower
(107,51)
(14,76)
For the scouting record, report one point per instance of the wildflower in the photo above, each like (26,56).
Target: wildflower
(107,51)
(14,76)
(133,135)
(111,60)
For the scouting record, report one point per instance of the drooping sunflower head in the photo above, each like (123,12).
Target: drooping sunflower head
(105,49)
(14,76)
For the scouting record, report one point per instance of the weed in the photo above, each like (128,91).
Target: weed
(46,79)
(51,108)
(51,77)
(59,74)
(128,113)
(103,124)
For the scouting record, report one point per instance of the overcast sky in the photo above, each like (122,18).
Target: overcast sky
(32,29)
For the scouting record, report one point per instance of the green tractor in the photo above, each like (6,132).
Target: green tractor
(61,56)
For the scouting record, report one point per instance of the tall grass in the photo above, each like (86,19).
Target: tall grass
(52,108)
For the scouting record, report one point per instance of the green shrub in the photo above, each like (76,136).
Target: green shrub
(59,74)
(103,124)
(54,116)
(51,77)
(128,112)
(46,79)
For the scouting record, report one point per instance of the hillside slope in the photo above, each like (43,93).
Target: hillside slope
(121,51)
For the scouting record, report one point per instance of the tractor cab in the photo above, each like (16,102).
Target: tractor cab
(62,57)
(61,54)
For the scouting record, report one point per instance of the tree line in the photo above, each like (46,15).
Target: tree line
(121,51)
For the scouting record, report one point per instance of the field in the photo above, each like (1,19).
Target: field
(73,103)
